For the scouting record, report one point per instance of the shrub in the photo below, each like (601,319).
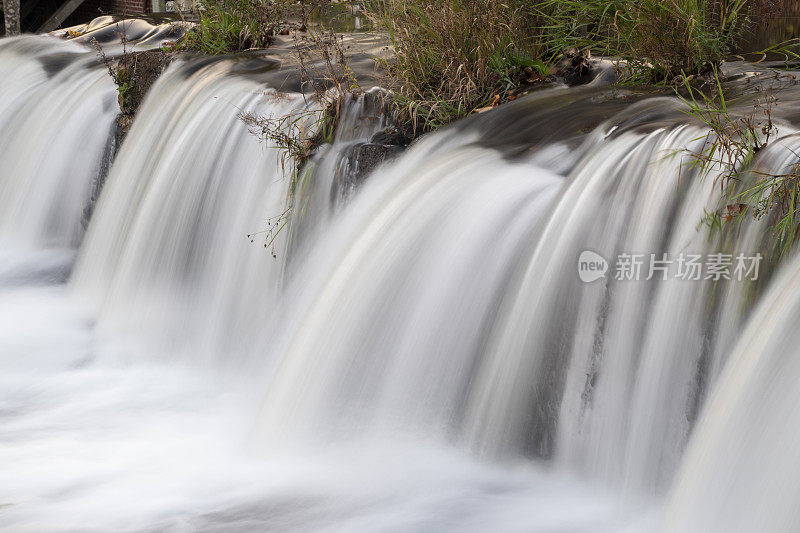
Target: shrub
(660,40)
(453,56)
(230,26)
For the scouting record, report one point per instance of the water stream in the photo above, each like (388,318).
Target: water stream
(416,352)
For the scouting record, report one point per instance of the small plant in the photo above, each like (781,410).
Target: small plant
(275,225)
(293,133)
(232,26)
(121,76)
(123,86)
(302,131)
(731,141)
(776,196)
(730,147)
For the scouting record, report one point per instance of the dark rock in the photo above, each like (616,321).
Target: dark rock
(124,123)
(394,136)
(134,74)
(384,145)
(576,68)
(367,156)
(138,70)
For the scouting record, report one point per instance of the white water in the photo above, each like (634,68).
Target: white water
(55,129)
(741,472)
(187,163)
(423,357)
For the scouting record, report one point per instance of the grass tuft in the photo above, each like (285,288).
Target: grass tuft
(659,40)
(232,26)
(731,146)
(454,56)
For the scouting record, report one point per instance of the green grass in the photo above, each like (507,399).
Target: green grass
(231,26)
(660,41)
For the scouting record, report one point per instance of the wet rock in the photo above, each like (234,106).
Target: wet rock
(383,146)
(576,68)
(367,157)
(134,74)
(124,123)
(394,137)
(139,70)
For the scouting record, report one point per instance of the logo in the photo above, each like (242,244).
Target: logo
(591,266)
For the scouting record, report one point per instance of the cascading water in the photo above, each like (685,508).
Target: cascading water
(419,354)
(741,470)
(605,377)
(341,365)
(56,124)
(187,188)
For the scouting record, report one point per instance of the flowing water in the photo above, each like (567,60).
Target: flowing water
(416,352)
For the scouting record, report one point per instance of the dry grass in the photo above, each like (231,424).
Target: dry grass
(328,79)
(451,57)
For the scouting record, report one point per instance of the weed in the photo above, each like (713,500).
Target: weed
(326,75)
(730,146)
(731,141)
(659,40)
(452,57)
(232,26)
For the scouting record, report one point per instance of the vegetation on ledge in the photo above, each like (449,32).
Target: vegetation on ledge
(450,58)
(133,73)
(729,149)
(232,26)
(659,40)
(453,57)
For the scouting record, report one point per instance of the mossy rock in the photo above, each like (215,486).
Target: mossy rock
(135,73)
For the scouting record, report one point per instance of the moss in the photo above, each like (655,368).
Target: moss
(135,73)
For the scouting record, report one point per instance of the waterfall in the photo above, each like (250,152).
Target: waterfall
(413,350)
(55,128)
(490,338)
(741,472)
(188,187)
(393,247)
